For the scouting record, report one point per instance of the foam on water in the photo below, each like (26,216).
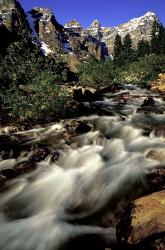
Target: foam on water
(45,209)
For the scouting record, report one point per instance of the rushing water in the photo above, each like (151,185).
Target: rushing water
(55,203)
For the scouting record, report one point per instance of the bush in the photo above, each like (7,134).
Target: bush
(96,74)
(23,61)
(144,70)
(39,101)
(29,82)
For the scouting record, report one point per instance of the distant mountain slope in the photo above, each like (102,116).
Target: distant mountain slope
(138,28)
(72,39)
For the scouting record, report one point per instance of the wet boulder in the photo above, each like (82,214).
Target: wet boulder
(38,154)
(82,128)
(25,167)
(149,101)
(89,96)
(149,107)
(70,129)
(83,96)
(88,242)
(10,173)
(7,169)
(142,222)
(54,157)
(156,154)
(159,131)
(155,181)
(10,146)
(76,128)
(75,108)
(2,181)
(111,88)
(78,95)
(149,110)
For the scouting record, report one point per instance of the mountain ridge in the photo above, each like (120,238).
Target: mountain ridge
(72,39)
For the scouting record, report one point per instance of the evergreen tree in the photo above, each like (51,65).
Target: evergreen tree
(161,39)
(117,49)
(163,43)
(143,48)
(158,39)
(128,52)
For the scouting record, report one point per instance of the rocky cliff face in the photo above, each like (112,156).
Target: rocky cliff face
(13,17)
(55,39)
(82,44)
(72,40)
(12,22)
(45,30)
(138,28)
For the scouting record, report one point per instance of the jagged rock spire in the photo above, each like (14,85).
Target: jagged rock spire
(95,24)
(73,23)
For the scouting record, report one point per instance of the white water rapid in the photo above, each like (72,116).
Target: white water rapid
(95,172)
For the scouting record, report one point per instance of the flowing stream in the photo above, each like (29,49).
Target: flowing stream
(94,173)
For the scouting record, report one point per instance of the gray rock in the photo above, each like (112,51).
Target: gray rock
(72,40)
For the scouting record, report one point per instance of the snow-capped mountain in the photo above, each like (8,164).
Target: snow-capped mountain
(72,39)
(45,30)
(139,28)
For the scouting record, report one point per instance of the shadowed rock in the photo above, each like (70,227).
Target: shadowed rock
(159,131)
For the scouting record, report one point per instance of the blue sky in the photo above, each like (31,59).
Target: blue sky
(109,12)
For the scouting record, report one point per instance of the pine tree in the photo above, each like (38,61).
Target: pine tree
(117,49)
(158,39)
(161,39)
(143,48)
(163,42)
(128,51)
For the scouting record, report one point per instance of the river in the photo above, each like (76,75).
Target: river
(95,172)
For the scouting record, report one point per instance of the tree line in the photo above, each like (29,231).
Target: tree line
(138,65)
(125,53)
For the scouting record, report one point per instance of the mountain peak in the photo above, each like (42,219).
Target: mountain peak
(150,13)
(95,24)
(38,12)
(147,16)
(73,24)
(42,10)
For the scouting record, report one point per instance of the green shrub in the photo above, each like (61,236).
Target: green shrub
(39,101)
(144,70)
(23,62)
(97,74)
(29,83)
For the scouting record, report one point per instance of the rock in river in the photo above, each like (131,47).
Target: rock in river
(156,154)
(159,131)
(143,223)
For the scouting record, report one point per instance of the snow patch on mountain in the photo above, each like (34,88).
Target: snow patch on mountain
(44,47)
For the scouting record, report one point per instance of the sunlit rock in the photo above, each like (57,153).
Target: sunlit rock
(144,219)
